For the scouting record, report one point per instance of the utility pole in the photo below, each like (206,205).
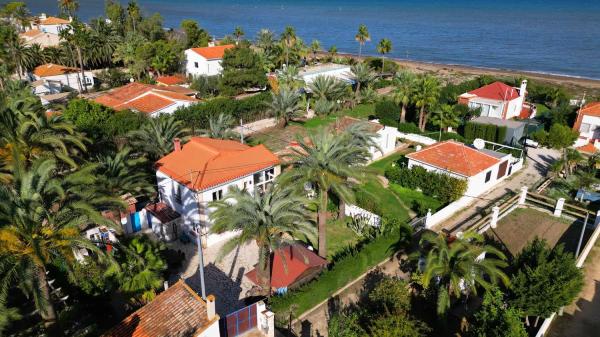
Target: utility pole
(241,131)
(201,262)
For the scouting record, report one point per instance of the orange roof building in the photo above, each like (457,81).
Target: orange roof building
(171,79)
(150,99)
(178,311)
(205,61)
(63,76)
(51,69)
(44,39)
(212,53)
(499,100)
(588,126)
(51,24)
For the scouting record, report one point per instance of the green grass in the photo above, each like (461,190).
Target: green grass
(542,109)
(387,203)
(339,237)
(408,196)
(318,121)
(362,111)
(381,165)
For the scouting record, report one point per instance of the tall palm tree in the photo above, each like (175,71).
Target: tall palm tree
(68,7)
(22,56)
(426,94)
(315,47)
(328,87)
(156,136)
(219,127)
(362,37)
(265,39)
(457,267)
(122,173)
(288,38)
(332,51)
(40,214)
(289,78)
(272,219)
(384,47)
(331,163)
(238,33)
(404,86)
(78,37)
(445,116)
(135,14)
(362,74)
(285,105)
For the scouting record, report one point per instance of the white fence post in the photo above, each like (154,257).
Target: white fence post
(597,220)
(428,219)
(495,213)
(560,203)
(523,195)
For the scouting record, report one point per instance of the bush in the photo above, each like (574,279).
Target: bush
(388,112)
(206,85)
(489,132)
(421,207)
(409,128)
(453,136)
(88,117)
(438,185)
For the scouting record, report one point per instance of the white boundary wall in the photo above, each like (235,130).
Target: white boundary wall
(353,210)
(416,138)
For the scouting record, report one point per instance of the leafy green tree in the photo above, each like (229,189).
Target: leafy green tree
(545,279)
(384,47)
(288,39)
(117,15)
(194,35)
(135,53)
(79,38)
(17,13)
(285,105)
(155,138)
(166,58)
(219,127)
(265,40)
(329,88)
(496,319)
(88,117)
(391,295)
(273,219)
(315,47)
(404,87)
(134,14)
(242,69)
(330,163)
(288,78)
(363,75)
(425,96)
(561,137)
(7,315)
(345,325)
(332,51)
(397,326)
(152,28)
(122,122)
(18,54)
(362,37)
(456,267)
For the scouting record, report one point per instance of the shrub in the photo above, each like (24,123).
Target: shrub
(345,325)
(388,112)
(489,132)
(391,295)
(453,136)
(409,128)
(438,185)
(87,116)
(421,207)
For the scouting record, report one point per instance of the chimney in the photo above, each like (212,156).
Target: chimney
(176,144)
(210,307)
(523,88)
(70,18)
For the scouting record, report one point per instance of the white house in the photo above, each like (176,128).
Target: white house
(44,39)
(338,71)
(386,135)
(203,170)
(205,61)
(51,24)
(68,77)
(588,126)
(480,167)
(499,100)
(103,237)
(152,100)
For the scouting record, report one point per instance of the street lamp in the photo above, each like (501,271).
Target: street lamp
(200,231)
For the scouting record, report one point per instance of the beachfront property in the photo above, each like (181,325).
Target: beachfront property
(338,71)
(57,76)
(205,61)
(177,311)
(51,24)
(499,100)
(152,100)
(385,139)
(203,170)
(43,39)
(588,126)
(481,168)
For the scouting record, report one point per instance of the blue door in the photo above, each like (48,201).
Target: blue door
(136,224)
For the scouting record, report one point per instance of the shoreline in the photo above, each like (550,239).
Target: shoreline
(456,73)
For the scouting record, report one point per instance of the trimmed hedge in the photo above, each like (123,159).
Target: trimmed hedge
(388,112)
(409,128)
(438,185)
(489,132)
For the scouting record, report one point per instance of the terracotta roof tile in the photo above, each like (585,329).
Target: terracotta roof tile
(214,161)
(455,157)
(171,79)
(178,311)
(51,69)
(212,53)
(496,91)
(148,103)
(51,20)
(142,97)
(31,33)
(591,109)
(588,148)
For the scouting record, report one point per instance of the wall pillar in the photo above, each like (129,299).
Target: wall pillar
(495,214)
(560,203)
(597,220)
(428,219)
(523,195)
(265,320)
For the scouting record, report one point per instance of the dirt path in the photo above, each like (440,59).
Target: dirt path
(582,319)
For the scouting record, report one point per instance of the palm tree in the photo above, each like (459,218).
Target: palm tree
(265,39)
(315,47)
(40,215)
(134,12)
(22,56)
(384,47)
(78,37)
(457,267)
(288,38)
(219,127)
(331,163)
(445,116)
(403,91)
(362,74)
(156,136)
(329,88)
(289,78)
(272,219)
(68,7)
(285,105)
(122,173)
(426,94)
(332,51)
(238,33)
(362,37)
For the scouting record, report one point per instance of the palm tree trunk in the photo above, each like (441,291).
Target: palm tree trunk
(80,59)
(342,210)
(359,49)
(421,119)
(264,269)
(322,215)
(357,93)
(382,63)
(403,114)
(566,162)
(47,309)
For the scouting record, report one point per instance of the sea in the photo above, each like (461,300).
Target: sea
(547,36)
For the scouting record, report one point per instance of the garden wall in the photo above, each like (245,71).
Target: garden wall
(353,211)
(416,138)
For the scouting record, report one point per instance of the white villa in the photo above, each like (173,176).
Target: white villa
(499,100)
(57,76)
(51,24)
(203,170)
(386,135)
(338,71)
(588,126)
(205,61)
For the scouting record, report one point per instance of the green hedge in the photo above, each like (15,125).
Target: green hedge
(489,132)
(388,112)
(409,128)
(438,185)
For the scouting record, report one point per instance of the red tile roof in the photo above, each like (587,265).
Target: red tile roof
(142,97)
(455,157)
(213,162)
(212,53)
(31,33)
(149,103)
(51,21)
(496,91)
(178,311)
(171,79)
(51,69)
(298,259)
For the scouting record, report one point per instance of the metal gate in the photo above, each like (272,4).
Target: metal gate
(241,321)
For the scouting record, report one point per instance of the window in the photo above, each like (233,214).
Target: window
(178,193)
(217,195)
(585,127)
(195,64)
(88,81)
(270,174)
(488,176)
(259,177)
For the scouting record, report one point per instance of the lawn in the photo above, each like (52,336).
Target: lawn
(386,202)
(380,165)
(339,237)
(409,196)
(361,111)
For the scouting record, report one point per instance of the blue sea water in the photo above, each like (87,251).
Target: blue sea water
(550,36)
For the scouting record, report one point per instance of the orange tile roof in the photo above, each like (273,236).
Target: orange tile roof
(177,311)
(497,91)
(455,157)
(142,97)
(203,163)
(590,109)
(171,79)
(588,148)
(50,69)
(212,53)
(51,20)
(31,33)
(149,103)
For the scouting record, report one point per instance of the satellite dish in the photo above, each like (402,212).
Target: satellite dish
(479,143)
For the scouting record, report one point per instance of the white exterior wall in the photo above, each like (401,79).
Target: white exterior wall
(588,131)
(46,88)
(205,67)
(53,29)
(211,331)
(171,108)
(514,107)
(71,80)
(386,140)
(495,107)
(341,73)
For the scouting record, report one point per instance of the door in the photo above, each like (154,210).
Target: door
(502,169)
(136,224)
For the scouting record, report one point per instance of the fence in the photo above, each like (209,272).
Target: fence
(253,317)
(416,138)
(355,211)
